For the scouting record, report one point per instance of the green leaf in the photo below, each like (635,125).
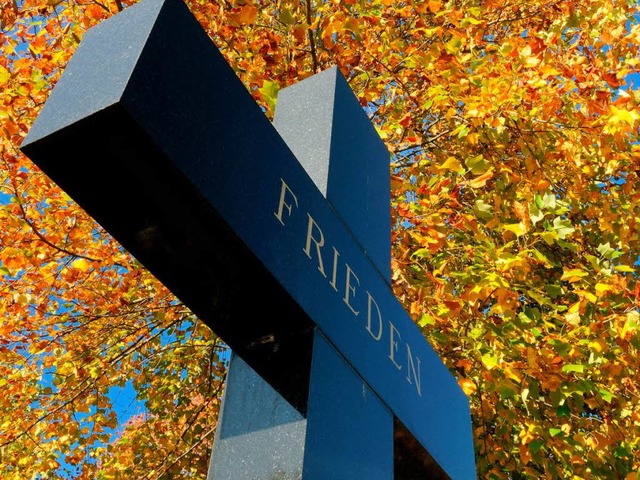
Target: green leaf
(542,299)
(476,333)
(560,347)
(563,227)
(269,91)
(483,210)
(426,319)
(542,258)
(524,394)
(555,431)
(4,271)
(471,20)
(605,250)
(621,452)
(421,252)
(286,17)
(549,237)
(463,132)
(547,201)
(535,214)
(606,395)
(428,104)
(476,164)
(489,360)
(440,337)
(554,291)
(576,368)
(536,445)
(507,389)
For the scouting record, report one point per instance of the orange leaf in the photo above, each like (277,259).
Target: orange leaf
(521,211)
(246,15)
(482,180)
(611,79)
(406,120)
(468,386)
(396,182)
(435,6)
(95,12)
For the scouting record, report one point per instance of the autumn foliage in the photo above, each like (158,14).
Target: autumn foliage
(513,128)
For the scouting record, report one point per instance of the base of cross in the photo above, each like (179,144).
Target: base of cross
(346,433)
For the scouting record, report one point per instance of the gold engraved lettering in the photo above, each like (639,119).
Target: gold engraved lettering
(411,367)
(334,275)
(282,204)
(349,290)
(370,301)
(318,242)
(393,344)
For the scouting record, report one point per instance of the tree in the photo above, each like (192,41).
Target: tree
(513,131)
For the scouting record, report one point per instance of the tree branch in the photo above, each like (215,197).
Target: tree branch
(312,42)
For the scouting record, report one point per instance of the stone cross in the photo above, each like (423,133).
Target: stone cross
(276,237)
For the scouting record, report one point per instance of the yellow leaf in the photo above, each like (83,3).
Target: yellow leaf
(489,361)
(548,71)
(603,288)
(473,138)
(381,132)
(624,268)
(4,75)
(597,345)
(22,299)
(574,308)
(549,237)
(81,264)
(452,164)
(585,294)
(573,275)
(573,318)
(623,116)
(631,324)
(66,368)
(518,228)
(532,61)
(512,374)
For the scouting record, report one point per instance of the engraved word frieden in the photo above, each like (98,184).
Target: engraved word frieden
(345,282)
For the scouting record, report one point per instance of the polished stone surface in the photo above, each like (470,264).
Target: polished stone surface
(349,430)
(327,130)
(259,436)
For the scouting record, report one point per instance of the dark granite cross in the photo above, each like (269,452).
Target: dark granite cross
(151,132)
